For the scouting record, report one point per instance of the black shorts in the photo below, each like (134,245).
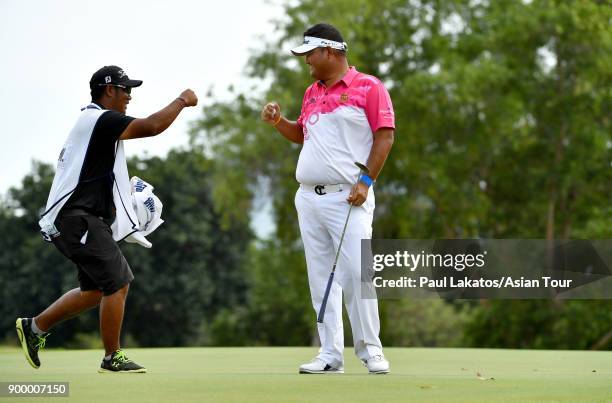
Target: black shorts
(88,242)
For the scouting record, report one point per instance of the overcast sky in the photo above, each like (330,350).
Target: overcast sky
(51,48)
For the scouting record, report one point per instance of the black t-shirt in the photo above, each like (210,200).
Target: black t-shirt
(94,193)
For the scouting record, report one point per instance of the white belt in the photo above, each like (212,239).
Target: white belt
(325,189)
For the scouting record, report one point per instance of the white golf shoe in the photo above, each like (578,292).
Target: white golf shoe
(318,366)
(377,364)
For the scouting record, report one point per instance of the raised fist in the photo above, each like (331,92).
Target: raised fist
(270,112)
(189,97)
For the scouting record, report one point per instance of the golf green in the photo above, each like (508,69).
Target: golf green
(270,375)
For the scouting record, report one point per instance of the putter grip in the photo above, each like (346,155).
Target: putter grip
(325,296)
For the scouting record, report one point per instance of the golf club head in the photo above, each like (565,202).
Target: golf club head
(363,168)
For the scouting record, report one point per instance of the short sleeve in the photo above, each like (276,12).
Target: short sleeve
(111,124)
(379,108)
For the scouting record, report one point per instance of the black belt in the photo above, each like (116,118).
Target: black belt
(325,189)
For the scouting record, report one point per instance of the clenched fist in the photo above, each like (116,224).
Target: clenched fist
(189,97)
(271,113)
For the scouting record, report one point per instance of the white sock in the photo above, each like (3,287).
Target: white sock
(108,357)
(35,328)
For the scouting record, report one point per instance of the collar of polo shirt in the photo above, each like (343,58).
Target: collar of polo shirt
(312,42)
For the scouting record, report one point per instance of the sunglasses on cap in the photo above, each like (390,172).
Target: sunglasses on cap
(127,90)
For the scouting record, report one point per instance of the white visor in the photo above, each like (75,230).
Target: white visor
(311,42)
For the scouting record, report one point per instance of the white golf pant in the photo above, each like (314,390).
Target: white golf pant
(321,219)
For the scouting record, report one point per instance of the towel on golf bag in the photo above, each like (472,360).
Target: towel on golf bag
(148,206)
(147,209)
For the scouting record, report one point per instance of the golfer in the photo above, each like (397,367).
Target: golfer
(83,202)
(346,116)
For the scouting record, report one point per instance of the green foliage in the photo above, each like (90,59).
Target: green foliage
(423,323)
(32,273)
(540,324)
(486,95)
(503,128)
(503,131)
(278,310)
(195,268)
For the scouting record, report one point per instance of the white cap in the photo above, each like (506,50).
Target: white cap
(311,42)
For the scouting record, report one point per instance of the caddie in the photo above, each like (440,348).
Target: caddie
(91,190)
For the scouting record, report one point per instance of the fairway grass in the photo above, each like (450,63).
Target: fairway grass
(262,374)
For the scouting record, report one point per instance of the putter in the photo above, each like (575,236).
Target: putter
(362,170)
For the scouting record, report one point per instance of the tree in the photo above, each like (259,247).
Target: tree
(502,129)
(32,273)
(195,268)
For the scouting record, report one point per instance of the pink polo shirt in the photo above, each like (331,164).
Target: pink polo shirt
(338,125)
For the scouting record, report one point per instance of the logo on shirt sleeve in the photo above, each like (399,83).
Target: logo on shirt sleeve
(64,156)
(388,111)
